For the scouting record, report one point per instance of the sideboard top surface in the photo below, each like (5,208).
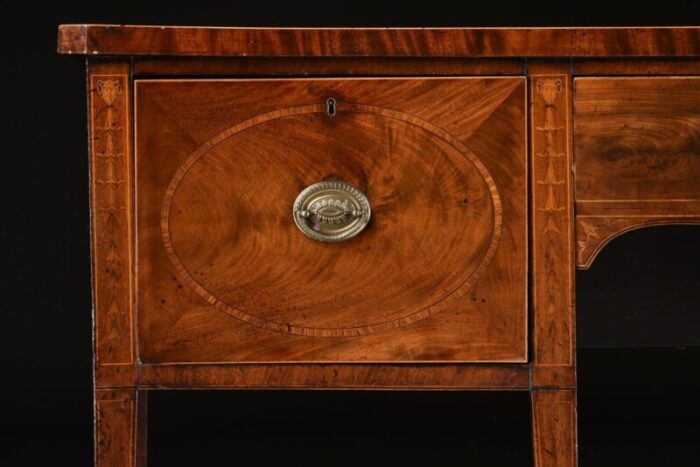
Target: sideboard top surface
(98,39)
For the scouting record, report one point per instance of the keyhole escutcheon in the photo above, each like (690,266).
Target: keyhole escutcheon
(330,106)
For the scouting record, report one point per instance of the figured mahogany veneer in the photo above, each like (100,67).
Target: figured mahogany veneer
(377,42)
(442,162)
(495,161)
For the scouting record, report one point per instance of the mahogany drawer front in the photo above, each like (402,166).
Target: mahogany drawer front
(438,274)
(634,135)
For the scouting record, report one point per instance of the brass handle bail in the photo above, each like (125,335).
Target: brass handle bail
(331,211)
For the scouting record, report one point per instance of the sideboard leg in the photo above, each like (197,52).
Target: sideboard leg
(554,428)
(120,428)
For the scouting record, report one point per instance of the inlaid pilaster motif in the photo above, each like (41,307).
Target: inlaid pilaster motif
(111,197)
(552,234)
(549,90)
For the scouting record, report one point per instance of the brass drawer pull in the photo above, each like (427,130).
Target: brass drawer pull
(331,211)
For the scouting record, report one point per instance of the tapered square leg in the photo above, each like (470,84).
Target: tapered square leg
(554,428)
(120,428)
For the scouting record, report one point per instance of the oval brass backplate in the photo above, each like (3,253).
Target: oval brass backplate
(331,211)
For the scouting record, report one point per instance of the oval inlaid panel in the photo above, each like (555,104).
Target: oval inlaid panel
(228,228)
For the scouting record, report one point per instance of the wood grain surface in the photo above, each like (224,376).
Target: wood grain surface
(554,324)
(119,413)
(96,39)
(643,66)
(111,203)
(321,66)
(637,143)
(120,428)
(554,428)
(438,275)
(435,376)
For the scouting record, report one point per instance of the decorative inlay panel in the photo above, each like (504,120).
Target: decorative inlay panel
(552,234)
(111,220)
(596,231)
(553,156)
(591,234)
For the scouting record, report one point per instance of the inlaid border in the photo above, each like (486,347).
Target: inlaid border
(277,326)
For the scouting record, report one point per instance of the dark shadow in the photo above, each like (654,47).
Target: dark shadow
(638,316)
(339,428)
(643,290)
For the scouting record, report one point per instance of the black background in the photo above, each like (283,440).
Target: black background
(638,307)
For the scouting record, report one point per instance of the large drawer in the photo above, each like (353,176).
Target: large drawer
(229,269)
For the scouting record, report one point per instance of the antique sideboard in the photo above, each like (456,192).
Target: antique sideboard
(369,208)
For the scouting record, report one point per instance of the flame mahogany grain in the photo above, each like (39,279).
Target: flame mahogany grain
(96,39)
(438,275)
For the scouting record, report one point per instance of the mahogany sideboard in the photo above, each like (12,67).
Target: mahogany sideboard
(368,208)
